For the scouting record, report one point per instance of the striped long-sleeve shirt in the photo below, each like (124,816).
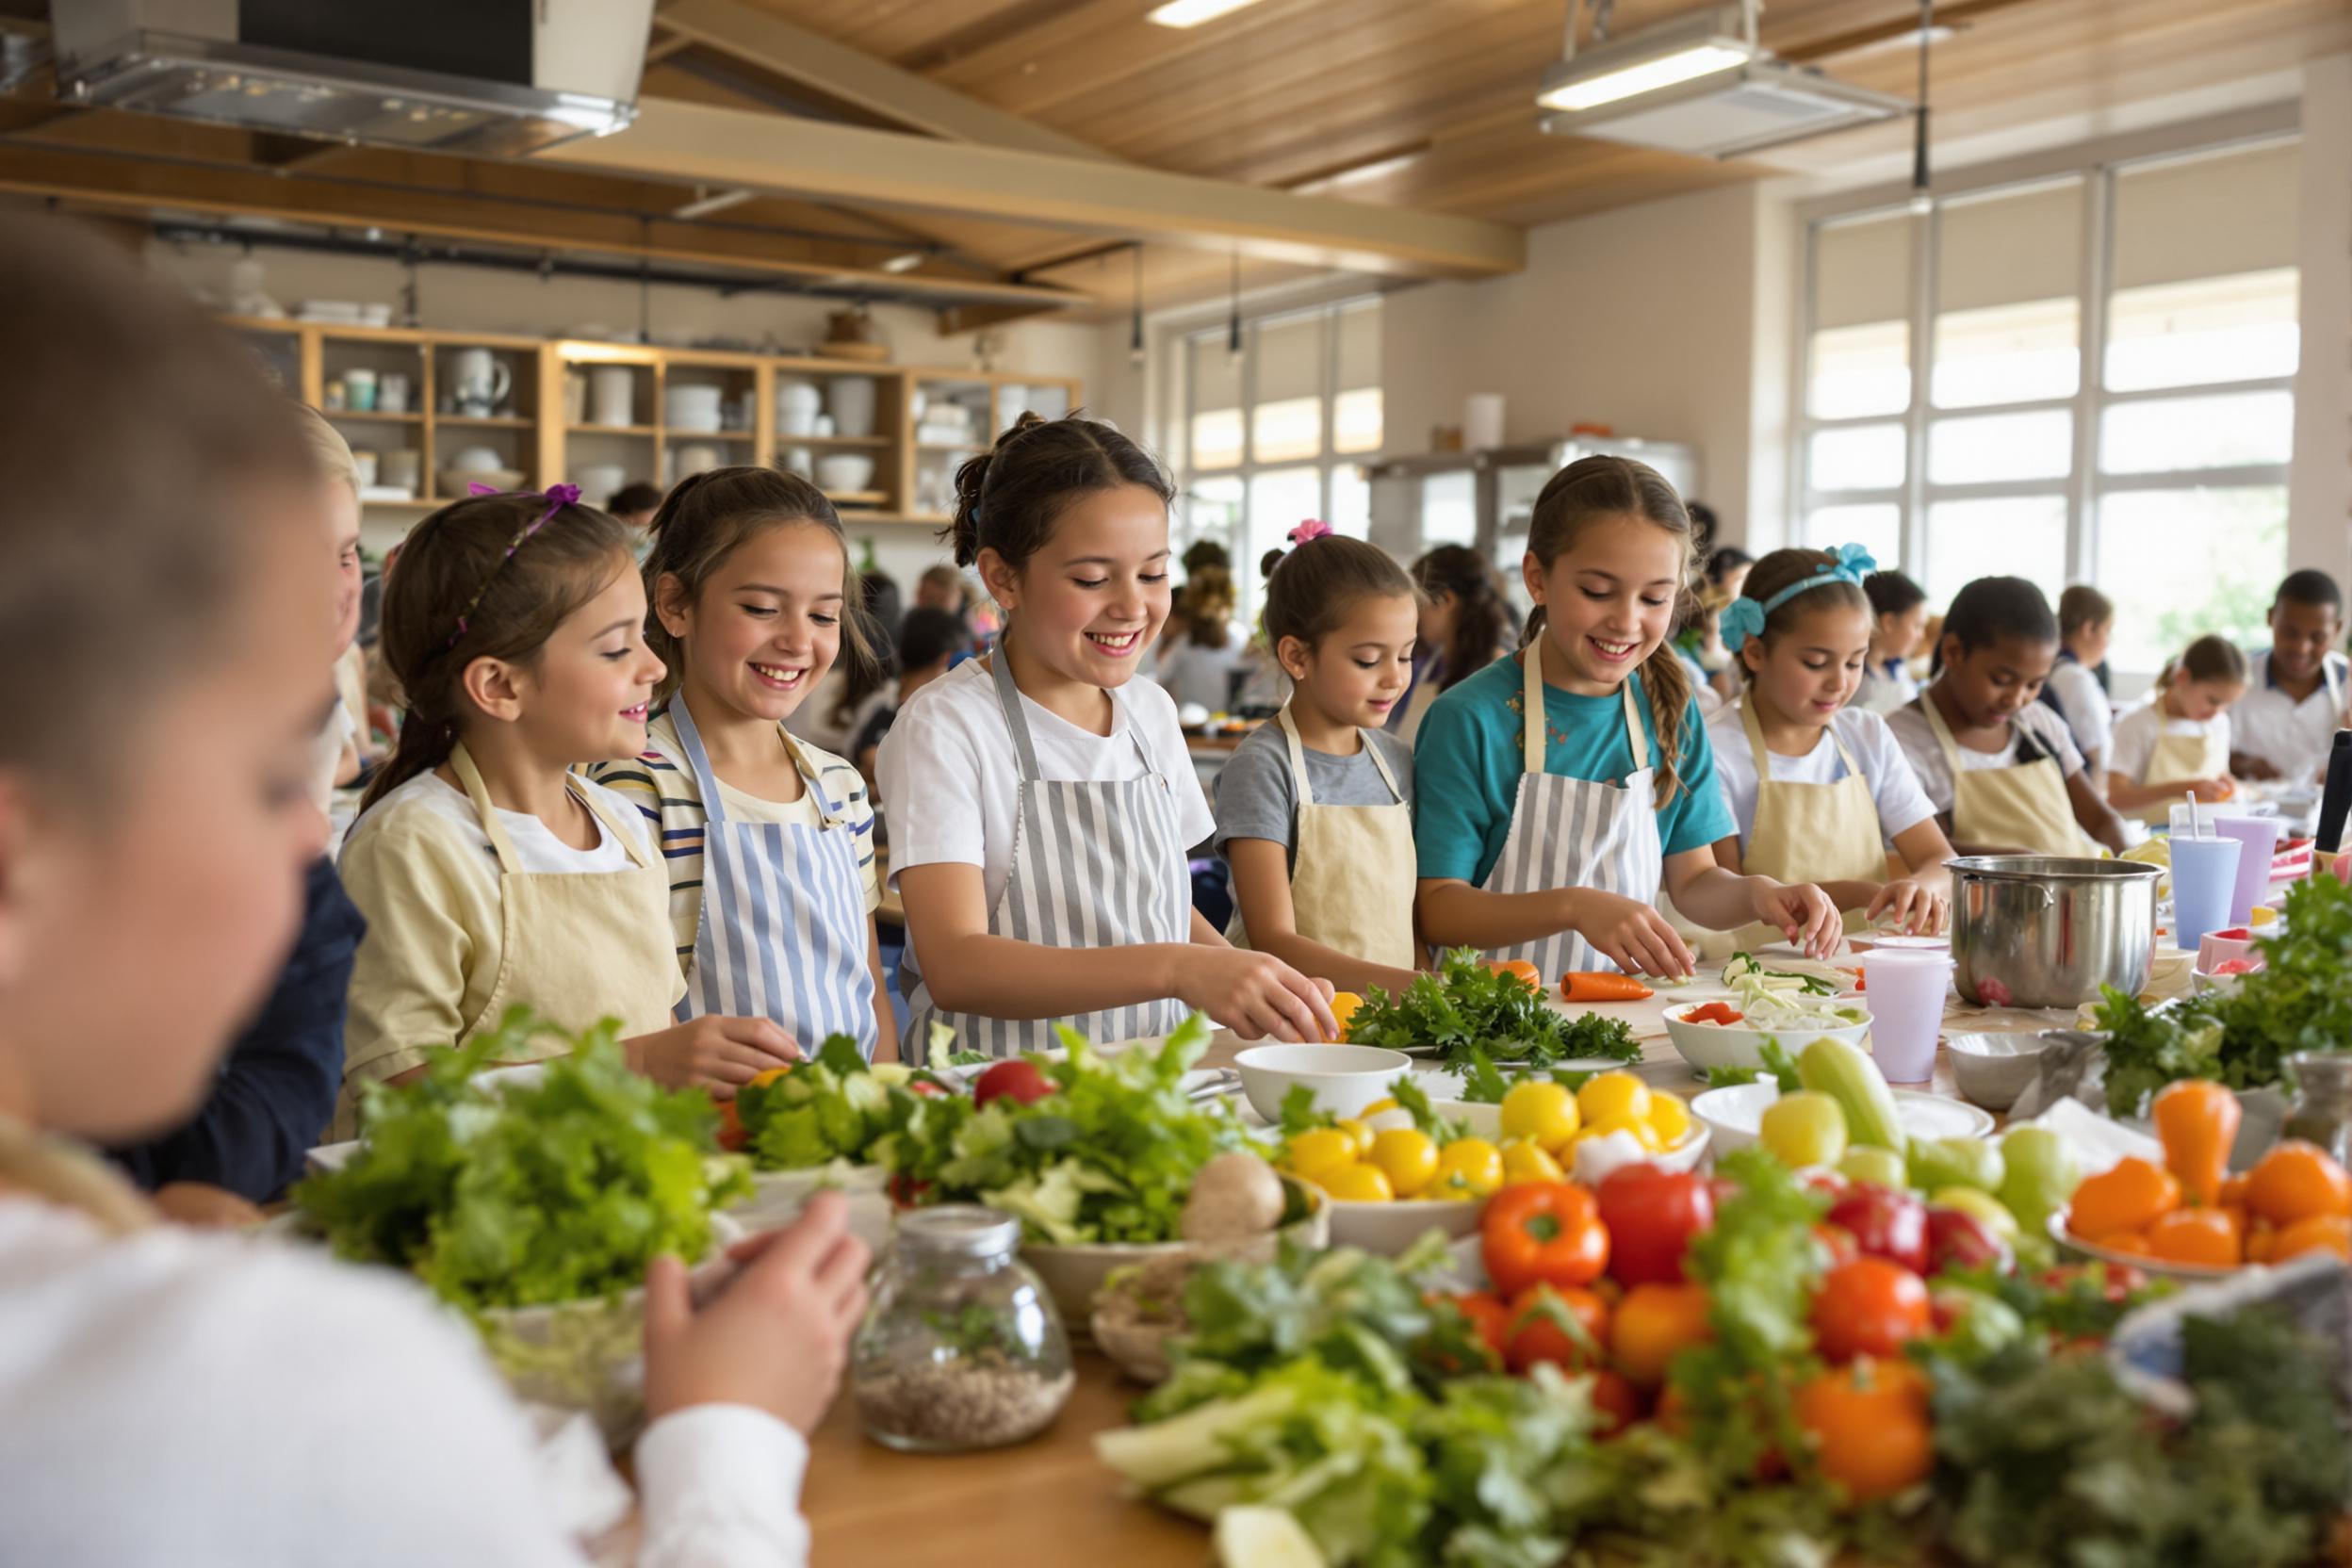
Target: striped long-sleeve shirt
(660,785)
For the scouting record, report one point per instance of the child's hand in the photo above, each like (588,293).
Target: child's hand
(201,1203)
(1256,995)
(712,1052)
(2212,789)
(776,1334)
(1915,911)
(1804,913)
(1630,934)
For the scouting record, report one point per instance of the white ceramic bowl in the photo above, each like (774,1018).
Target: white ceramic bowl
(1993,1070)
(1345,1078)
(2209,984)
(1705,1046)
(1735,1116)
(454,481)
(2155,1269)
(844,471)
(1072,1275)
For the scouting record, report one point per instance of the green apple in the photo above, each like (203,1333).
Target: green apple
(1805,1128)
(1878,1168)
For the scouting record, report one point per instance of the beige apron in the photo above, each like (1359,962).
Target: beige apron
(1352,873)
(573,946)
(2182,760)
(2023,807)
(65,1173)
(1806,832)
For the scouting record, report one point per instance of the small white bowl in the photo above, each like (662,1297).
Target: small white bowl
(844,471)
(2209,984)
(1388,1229)
(1074,1275)
(1735,1116)
(1993,1070)
(1705,1046)
(1345,1078)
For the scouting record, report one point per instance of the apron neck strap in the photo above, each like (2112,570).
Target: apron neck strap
(1008,697)
(697,759)
(1532,738)
(67,1174)
(494,829)
(1299,759)
(1637,742)
(1754,727)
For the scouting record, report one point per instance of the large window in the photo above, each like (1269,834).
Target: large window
(1271,435)
(2104,364)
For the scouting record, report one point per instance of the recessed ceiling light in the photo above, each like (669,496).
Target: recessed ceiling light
(1191,13)
(906,261)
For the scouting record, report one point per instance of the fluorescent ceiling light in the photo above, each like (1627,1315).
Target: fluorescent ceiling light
(906,261)
(706,203)
(1683,64)
(1191,13)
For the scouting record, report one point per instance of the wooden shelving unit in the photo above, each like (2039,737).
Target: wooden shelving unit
(541,431)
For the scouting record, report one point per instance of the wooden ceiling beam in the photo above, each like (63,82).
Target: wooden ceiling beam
(719,147)
(130,184)
(763,38)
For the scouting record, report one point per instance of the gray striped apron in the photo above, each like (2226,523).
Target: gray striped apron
(1096,863)
(1576,833)
(783,933)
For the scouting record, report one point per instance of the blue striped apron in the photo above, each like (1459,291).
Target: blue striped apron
(783,931)
(1096,863)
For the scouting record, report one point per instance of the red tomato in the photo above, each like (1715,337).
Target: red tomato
(928,1090)
(1023,1080)
(1490,1319)
(1868,1425)
(1651,1215)
(1870,1307)
(1568,1328)
(1543,1233)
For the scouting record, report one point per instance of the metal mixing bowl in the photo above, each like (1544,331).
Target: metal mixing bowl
(2049,931)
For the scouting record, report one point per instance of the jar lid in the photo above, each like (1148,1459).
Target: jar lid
(966,1230)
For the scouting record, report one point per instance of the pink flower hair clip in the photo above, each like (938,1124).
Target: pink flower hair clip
(1313,529)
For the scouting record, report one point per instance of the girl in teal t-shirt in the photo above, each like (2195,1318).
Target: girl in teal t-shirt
(1561,791)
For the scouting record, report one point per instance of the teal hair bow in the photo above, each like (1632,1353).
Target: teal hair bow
(1744,617)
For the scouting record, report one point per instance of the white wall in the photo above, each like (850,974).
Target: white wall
(1647,318)
(2319,504)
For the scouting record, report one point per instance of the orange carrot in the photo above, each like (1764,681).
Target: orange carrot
(1591,986)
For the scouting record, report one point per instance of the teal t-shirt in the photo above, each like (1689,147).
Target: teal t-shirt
(1467,761)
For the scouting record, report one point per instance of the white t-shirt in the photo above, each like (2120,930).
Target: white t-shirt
(2292,737)
(2085,707)
(2047,729)
(216,1401)
(1894,787)
(2135,734)
(536,846)
(1885,688)
(948,769)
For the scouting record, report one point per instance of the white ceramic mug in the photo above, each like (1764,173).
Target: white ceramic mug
(482,381)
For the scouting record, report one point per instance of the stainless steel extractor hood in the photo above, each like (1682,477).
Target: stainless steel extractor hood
(492,78)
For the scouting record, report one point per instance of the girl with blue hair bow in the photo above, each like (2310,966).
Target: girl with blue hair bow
(1819,788)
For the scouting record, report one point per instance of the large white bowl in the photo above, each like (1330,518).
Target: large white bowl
(1073,1275)
(1735,1115)
(1993,1070)
(844,471)
(1707,1046)
(1345,1078)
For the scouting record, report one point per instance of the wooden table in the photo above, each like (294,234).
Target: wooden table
(1049,1503)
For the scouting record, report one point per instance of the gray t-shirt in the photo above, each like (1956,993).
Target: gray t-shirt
(1256,797)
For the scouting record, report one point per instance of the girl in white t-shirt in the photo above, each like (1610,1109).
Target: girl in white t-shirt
(1819,788)
(179,1398)
(768,841)
(1042,802)
(2178,743)
(490,873)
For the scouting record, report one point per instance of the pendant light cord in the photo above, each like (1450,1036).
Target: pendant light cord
(1918,144)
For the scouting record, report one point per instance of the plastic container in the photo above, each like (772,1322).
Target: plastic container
(2204,878)
(1906,989)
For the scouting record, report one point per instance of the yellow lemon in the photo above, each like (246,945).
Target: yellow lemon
(1670,1115)
(1541,1111)
(1467,1167)
(1619,1094)
(1312,1154)
(1356,1183)
(1358,1133)
(1644,1133)
(1524,1161)
(1408,1158)
(1344,1006)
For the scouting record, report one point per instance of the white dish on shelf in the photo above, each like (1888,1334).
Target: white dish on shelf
(454,481)
(841,471)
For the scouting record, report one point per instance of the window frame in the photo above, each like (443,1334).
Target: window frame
(2084,485)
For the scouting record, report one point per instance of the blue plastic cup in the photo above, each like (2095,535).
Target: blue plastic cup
(2204,878)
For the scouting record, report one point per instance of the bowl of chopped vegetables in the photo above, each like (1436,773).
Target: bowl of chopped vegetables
(1786,1007)
(532,1205)
(816,1125)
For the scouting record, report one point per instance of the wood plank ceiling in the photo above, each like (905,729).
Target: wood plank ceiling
(1437,95)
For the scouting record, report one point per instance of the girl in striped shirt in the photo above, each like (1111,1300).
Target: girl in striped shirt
(768,840)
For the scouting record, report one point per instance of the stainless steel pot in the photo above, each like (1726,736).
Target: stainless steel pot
(2048,931)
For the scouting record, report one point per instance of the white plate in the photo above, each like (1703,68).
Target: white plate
(1735,1115)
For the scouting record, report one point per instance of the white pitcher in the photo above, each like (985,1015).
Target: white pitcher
(481,381)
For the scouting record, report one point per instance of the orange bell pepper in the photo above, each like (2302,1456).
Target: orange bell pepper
(1591,986)
(2196,1120)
